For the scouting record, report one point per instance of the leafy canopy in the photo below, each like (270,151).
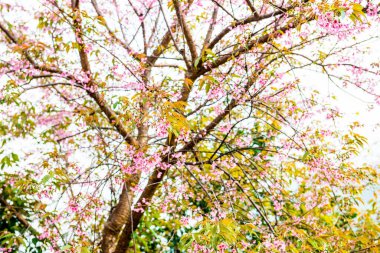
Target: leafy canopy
(184,126)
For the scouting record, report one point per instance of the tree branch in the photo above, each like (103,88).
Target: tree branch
(252,8)
(185,30)
(14,40)
(99,99)
(243,49)
(19,217)
(247,20)
(210,29)
(112,34)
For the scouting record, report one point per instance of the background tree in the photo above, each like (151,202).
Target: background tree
(183,126)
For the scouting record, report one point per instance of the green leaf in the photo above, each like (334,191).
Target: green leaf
(45,179)
(207,88)
(66,247)
(196,62)
(15,157)
(186,241)
(8,235)
(85,250)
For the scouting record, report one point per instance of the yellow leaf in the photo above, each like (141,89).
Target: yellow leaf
(101,20)
(188,83)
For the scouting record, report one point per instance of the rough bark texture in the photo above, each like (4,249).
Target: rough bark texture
(132,223)
(116,221)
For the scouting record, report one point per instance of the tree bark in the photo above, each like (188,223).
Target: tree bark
(116,221)
(144,200)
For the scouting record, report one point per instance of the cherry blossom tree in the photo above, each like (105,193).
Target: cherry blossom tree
(183,126)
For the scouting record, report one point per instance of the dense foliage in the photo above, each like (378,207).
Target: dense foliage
(183,126)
